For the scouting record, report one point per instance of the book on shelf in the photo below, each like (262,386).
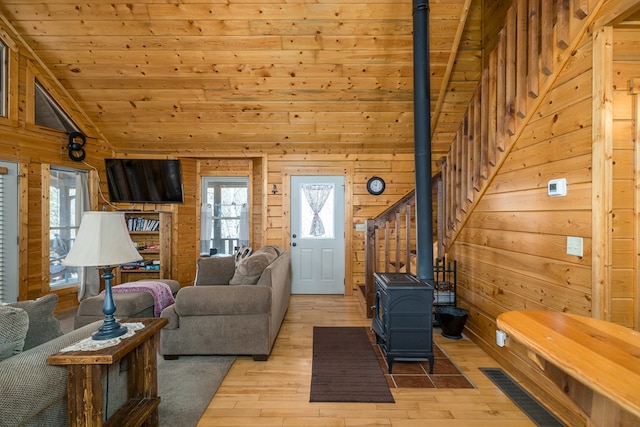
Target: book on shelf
(141,265)
(135,223)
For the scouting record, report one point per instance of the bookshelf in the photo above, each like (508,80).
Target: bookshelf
(150,231)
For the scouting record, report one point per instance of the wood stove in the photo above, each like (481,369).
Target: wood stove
(402,319)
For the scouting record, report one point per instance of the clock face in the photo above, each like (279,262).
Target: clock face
(375,185)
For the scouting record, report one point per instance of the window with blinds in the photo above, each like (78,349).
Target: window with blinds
(8,232)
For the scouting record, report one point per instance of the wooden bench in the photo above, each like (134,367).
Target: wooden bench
(596,363)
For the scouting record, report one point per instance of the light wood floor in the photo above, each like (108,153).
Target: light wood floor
(276,392)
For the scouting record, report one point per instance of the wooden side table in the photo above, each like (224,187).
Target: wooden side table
(86,371)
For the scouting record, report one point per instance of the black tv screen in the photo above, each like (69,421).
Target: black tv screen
(144,180)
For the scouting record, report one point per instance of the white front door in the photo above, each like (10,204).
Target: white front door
(317,234)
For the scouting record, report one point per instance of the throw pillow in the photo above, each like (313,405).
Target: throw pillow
(250,270)
(43,326)
(241,254)
(14,323)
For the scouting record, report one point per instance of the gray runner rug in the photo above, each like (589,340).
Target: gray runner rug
(187,385)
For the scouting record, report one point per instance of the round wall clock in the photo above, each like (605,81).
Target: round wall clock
(375,185)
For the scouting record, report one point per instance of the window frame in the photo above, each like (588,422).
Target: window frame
(4,79)
(227,245)
(70,275)
(67,123)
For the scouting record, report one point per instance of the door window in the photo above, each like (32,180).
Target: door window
(316,211)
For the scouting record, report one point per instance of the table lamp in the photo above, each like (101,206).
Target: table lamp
(103,241)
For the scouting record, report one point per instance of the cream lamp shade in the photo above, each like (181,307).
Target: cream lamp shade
(102,240)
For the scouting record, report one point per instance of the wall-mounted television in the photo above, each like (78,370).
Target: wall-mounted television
(144,180)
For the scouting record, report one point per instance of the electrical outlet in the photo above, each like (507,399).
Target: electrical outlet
(574,246)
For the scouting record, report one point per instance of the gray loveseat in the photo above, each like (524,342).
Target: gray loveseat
(128,305)
(33,393)
(229,310)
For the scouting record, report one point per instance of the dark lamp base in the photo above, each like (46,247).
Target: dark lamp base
(106,332)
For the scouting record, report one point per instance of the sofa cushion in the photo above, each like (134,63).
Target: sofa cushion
(216,270)
(14,323)
(43,326)
(250,270)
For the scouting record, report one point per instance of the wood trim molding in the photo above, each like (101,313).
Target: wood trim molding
(636,213)
(602,173)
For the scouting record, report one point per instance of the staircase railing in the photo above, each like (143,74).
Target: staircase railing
(531,50)
(390,243)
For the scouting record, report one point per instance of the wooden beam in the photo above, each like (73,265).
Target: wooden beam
(635,92)
(546,37)
(562,24)
(602,172)
(533,78)
(510,72)
(521,58)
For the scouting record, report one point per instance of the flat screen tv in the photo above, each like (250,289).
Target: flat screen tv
(144,180)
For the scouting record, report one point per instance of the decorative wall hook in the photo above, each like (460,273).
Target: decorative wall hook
(274,190)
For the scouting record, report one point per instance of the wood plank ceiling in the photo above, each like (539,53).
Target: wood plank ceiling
(244,77)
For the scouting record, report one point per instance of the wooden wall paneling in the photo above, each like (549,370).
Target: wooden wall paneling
(602,171)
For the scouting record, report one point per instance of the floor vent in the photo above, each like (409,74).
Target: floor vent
(525,401)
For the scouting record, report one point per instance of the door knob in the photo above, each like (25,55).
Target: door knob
(294,244)
(294,236)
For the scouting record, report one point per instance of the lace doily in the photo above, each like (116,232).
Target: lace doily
(89,344)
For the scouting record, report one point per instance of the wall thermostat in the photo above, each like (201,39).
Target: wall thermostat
(557,187)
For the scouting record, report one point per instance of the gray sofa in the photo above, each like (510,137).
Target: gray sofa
(33,393)
(229,310)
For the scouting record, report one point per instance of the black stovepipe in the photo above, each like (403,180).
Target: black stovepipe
(422,143)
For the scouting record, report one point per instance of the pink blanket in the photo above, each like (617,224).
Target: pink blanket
(161,293)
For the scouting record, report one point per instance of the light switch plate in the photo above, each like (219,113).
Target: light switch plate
(361,227)
(574,246)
